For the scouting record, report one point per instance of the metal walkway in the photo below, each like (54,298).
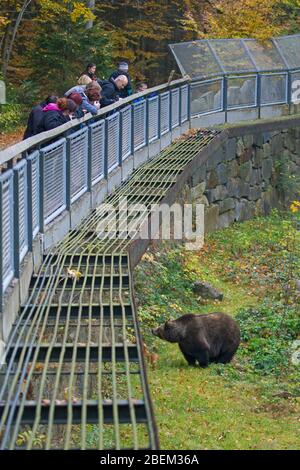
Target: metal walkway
(75,375)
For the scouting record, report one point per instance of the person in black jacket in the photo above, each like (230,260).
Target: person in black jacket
(111,89)
(56,114)
(36,116)
(123,70)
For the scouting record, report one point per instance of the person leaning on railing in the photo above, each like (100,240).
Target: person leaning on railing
(36,116)
(123,70)
(56,114)
(83,89)
(111,89)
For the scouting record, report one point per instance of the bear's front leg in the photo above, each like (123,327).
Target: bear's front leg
(191,360)
(203,358)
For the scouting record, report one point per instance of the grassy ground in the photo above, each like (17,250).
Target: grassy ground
(254,402)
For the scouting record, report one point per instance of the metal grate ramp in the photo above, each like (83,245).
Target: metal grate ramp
(75,376)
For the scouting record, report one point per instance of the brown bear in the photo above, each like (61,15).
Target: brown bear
(205,338)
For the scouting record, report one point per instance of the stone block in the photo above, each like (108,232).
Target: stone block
(226,205)
(267,166)
(226,219)
(198,190)
(217,194)
(245,171)
(217,157)
(212,179)
(240,147)
(244,210)
(211,218)
(222,173)
(233,169)
(248,140)
(233,187)
(255,193)
(199,175)
(256,177)
(230,150)
(258,158)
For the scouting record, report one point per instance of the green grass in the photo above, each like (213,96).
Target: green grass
(254,402)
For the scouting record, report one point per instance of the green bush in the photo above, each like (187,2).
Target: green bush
(267,333)
(11,116)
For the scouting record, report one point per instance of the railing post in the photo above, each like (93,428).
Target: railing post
(68,175)
(120,139)
(29,205)
(189,97)
(225,89)
(1,254)
(147,121)
(105,163)
(41,192)
(289,90)
(16,226)
(89,162)
(132,131)
(159,118)
(258,95)
(180,106)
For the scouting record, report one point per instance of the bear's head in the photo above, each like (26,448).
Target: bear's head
(170,331)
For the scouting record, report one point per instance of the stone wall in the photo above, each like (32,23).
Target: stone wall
(246,176)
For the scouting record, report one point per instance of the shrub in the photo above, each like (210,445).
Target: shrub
(11,116)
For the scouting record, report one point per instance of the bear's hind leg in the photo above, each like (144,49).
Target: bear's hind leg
(224,358)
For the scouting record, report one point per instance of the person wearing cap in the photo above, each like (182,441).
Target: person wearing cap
(123,70)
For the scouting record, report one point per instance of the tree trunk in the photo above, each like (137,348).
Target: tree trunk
(91,6)
(8,47)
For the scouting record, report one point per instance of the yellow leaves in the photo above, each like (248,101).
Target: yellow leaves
(148,257)
(75,10)
(72,273)
(295,206)
(246,18)
(37,439)
(81,11)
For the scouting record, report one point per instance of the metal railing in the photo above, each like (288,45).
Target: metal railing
(46,174)
(59,166)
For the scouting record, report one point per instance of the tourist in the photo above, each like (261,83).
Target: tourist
(36,116)
(56,114)
(111,89)
(123,70)
(87,106)
(90,71)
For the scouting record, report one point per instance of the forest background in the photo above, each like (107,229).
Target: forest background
(45,44)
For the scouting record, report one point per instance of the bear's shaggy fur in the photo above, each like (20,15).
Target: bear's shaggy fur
(214,337)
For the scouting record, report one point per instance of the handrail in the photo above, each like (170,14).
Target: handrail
(13,151)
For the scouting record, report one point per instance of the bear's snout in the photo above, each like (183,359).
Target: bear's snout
(157,332)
